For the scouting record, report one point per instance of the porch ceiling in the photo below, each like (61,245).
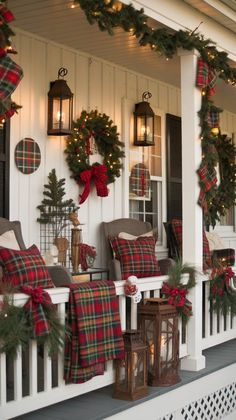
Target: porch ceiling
(57,21)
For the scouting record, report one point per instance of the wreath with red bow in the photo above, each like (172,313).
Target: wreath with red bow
(176,292)
(94,133)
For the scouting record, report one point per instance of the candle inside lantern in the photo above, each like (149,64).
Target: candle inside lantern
(163,347)
(151,352)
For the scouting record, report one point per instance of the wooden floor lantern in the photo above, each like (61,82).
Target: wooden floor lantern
(158,322)
(131,372)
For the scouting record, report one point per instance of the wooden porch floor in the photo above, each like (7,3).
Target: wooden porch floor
(98,405)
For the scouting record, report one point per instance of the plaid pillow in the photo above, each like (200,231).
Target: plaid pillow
(206,253)
(24,267)
(137,257)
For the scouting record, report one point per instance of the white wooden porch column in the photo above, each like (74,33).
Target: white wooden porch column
(192,213)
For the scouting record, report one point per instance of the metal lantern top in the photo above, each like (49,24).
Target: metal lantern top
(143,108)
(59,88)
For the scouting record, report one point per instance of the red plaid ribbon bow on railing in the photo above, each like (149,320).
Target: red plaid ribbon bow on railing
(206,77)
(34,306)
(97,174)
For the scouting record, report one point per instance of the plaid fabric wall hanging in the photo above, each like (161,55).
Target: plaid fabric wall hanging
(140,180)
(27,156)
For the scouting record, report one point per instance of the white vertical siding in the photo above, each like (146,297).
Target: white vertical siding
(96,85)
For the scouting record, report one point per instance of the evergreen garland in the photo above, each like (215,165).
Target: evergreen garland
(97,127)
(16,328)
(110,14)
(222,296)
(220,198)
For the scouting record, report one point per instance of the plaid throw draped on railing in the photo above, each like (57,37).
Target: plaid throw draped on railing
(96,336)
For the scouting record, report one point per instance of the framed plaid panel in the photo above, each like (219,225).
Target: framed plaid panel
(140,182)
(27,156)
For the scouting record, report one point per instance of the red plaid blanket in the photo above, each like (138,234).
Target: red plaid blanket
(96,336)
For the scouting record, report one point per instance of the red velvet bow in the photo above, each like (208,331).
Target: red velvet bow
(34,306)
(97,174)
(6,14)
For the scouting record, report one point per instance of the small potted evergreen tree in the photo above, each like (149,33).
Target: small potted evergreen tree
(54,212)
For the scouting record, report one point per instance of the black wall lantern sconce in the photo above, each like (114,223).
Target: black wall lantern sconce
(144,122)
(60,106)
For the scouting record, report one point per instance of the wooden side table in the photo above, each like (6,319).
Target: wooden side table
(91,274)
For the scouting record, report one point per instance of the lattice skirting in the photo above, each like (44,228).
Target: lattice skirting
(214,406)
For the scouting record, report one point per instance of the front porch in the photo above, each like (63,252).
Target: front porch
(33,387)
(207,394)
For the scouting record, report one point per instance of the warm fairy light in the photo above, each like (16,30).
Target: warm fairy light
(215,131)
(203,92)
(73,5)
(117,6)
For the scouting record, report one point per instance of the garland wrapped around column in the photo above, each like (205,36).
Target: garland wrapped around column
(10,72)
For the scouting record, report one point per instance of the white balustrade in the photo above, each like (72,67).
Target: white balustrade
(48,378)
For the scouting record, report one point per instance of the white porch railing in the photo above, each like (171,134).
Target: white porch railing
(34,380)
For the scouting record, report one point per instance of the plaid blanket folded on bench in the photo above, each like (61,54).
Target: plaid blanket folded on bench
(96,336)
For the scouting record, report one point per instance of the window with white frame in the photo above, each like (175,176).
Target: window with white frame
(146,180)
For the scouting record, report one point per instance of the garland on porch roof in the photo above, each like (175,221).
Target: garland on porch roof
(111,14)
(94,133)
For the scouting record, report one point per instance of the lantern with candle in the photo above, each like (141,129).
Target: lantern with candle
(131,372)
(158,323)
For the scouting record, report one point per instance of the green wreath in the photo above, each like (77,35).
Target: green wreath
(220,198)
(94,132)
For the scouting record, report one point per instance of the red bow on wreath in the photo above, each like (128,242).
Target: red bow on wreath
(177,296)
(97,174)
(39,298)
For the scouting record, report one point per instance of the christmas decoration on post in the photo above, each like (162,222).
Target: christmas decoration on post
(158,322)
(131,372)
(10,72)
(216,199)
(222,290)
(176,292)
(131,289)
(94,133)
